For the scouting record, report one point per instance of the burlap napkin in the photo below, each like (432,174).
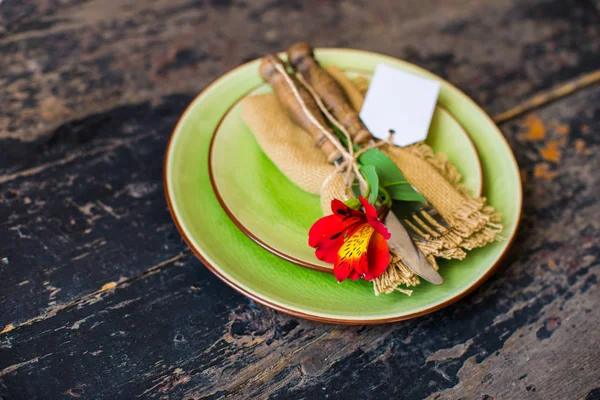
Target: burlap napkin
(470,222)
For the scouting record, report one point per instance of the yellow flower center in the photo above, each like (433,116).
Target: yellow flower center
(356,245)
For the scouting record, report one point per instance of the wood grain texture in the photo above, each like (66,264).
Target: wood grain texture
(177,331)
(63,61)
(89,213)
(99,296)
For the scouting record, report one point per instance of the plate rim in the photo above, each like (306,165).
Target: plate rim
(300,314)
(248,232)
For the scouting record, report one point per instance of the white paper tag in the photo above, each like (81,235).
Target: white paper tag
(399,101)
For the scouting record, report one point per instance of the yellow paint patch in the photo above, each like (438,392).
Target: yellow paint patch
(542,171)
(580,147)
(551,151)
(563,129)
(8,328)
(109,286)
(535,129)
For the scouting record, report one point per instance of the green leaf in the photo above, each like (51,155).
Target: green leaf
(404,193)
(390,176)
(386,183)
(370,174)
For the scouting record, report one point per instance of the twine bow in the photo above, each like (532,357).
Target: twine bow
(349,165)
(350,158)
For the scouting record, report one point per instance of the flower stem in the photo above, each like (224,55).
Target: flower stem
(387,199)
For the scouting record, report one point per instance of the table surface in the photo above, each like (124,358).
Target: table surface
(101,298)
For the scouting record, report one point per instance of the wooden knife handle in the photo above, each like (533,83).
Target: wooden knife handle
(301,57)
(298,104)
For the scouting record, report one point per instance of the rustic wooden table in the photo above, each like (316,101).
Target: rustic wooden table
(100,297)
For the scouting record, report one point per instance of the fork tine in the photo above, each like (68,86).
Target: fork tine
(424,226)
(433,216)
(415,232)
(435,220)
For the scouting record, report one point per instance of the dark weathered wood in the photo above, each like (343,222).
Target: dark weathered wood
(91,213)
(61,61)
(99,296)
(528,333)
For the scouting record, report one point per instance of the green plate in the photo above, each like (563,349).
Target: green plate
(245,180)
(299,291)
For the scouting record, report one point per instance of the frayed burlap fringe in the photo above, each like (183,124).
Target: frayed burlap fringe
(396,272)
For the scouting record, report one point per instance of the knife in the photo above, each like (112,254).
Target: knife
(412,257)
(304,111)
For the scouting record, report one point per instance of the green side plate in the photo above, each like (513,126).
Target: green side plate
(302,292)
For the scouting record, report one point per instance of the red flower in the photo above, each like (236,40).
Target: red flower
(354,241)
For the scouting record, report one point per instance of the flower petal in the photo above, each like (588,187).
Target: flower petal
(346,213)
(371,213)
(352,256)
(354,276)
(378,256)
(342,270)
(327,236)
(323,229)
(327,250)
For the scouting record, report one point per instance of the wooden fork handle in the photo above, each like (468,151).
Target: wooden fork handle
(301,57)
(298,104)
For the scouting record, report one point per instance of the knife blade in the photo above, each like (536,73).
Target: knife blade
(402,244)
(412,257)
